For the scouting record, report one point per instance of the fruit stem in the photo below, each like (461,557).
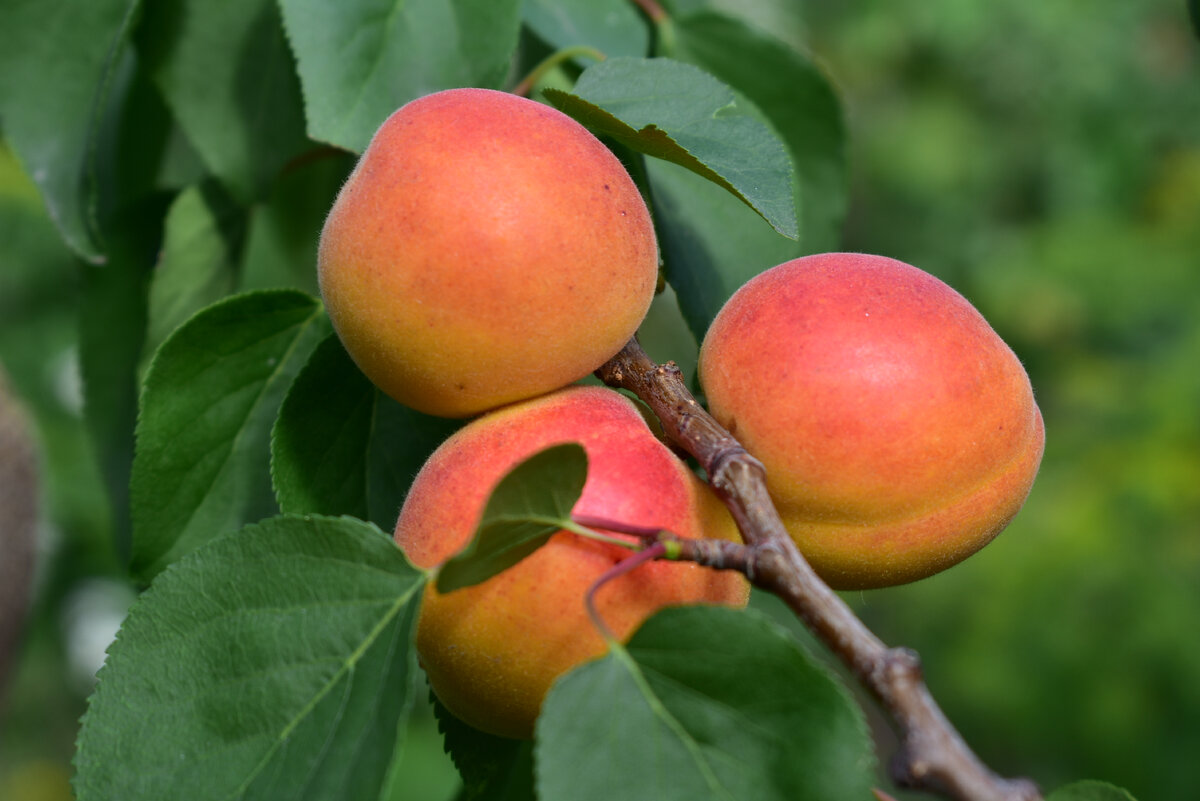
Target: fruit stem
(644,533)
(525,86)
(662,26)
(655,551)
(652,9)
(580,528)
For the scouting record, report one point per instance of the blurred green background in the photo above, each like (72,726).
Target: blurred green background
(1044,159)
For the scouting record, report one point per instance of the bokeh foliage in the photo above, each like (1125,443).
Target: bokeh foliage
(1041,157)
(1044,158)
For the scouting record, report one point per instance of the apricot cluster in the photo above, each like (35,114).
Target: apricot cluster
(488,251)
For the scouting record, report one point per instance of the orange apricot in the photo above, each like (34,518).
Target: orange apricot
(486,249)
(898,431)
(492,650)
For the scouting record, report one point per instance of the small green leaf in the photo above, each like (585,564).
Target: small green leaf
(196,268)
(360,60)
(795,97)
(272,663)
(531,503)
(679,113)
(711,244)
(705,703)
(57,62)
(340,446)
(1090,790)
(613,27)
(224,68)
(492,768)
(211,395)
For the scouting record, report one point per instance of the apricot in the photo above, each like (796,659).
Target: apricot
(492,650)
(485,249)
(898,431)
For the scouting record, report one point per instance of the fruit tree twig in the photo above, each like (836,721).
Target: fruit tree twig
(932,757)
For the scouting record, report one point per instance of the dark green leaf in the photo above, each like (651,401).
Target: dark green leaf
(56,63)
(798,101)
(281,245)
(1089,791)
(528,505)
(111,335)
(340,446)
(1194,13)
(210,398)
(611,26)
(711,244)
(706,703)
(225,70)
(360,60)
(492,768)
(196,268)
(679,113)
(272,663)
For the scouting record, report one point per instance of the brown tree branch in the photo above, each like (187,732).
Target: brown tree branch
(933,757)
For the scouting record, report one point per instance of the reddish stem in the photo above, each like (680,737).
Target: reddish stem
(655,551)
(644,533)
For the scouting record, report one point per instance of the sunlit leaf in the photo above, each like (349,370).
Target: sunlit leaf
(210,398)
(360,60)
(272,663)
(679,113)
(705,703)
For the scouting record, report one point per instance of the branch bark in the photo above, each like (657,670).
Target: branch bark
(933,756)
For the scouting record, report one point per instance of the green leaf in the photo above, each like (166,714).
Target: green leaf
(1194,13)
(613,27)
(710,243)
(271,663)
(492,768)
(679,113)
(281,245)
(528,505)
(224,68)
(56,64)
(340,446)
(705,703)
(210,398)
(197,267)
(796,99)
(1090,791)
(112,329)
(360,60)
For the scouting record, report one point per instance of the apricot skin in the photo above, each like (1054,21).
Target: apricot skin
(898,431)
(492,651)
(486,249)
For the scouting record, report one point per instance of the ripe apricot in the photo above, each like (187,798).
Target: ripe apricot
(492,650)
(486,249)
(899,432)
